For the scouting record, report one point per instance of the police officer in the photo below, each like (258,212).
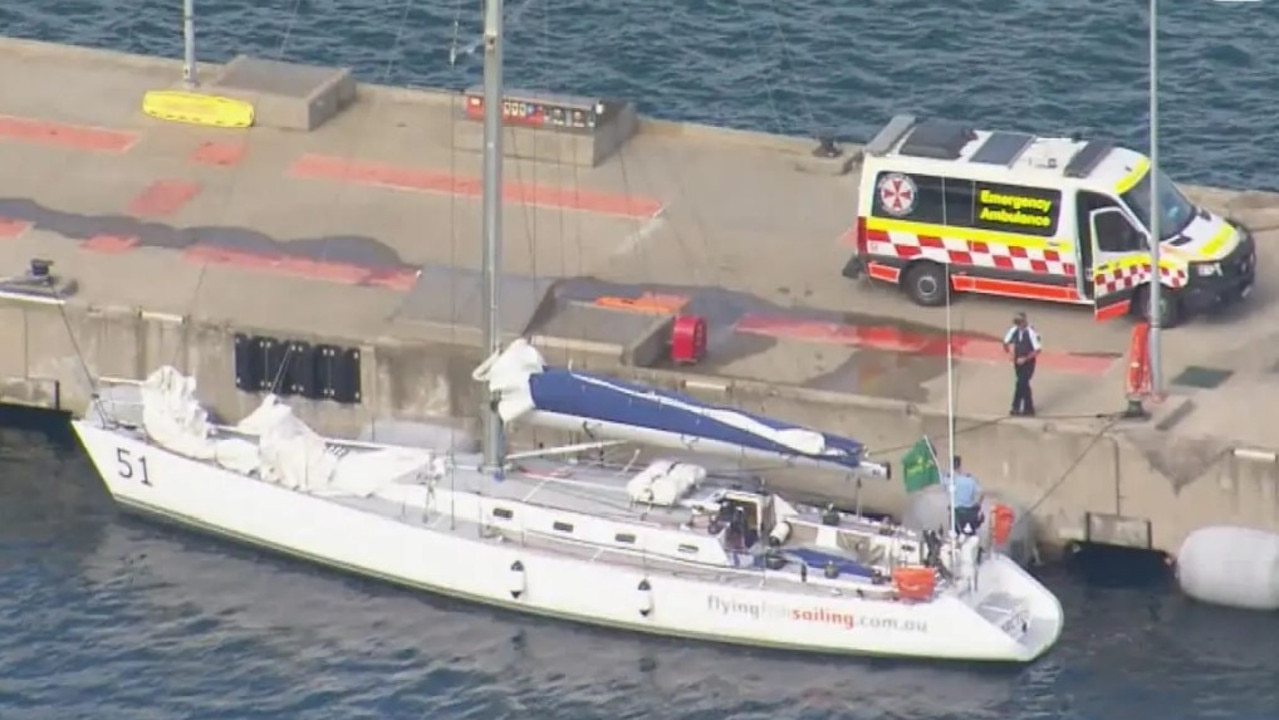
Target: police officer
(1021,343)
(967,496)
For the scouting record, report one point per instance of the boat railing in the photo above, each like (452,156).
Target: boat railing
(754,574)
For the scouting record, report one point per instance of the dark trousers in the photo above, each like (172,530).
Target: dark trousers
(1023,399)
(968,519)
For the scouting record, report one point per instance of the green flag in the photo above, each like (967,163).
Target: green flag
(920,466)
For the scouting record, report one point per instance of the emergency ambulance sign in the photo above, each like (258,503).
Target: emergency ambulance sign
(897,194)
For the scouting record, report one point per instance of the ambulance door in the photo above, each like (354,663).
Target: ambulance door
(1117,246)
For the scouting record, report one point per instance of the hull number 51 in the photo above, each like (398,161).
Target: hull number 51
(131,467)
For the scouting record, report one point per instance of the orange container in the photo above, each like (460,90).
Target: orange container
(1001,523)
(914,583)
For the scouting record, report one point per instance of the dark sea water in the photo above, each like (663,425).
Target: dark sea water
(103,617)
(799,66)
(106,618)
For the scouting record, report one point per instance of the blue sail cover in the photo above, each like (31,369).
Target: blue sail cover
(591,397)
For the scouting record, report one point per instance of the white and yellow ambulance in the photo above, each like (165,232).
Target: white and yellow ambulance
(1039,218)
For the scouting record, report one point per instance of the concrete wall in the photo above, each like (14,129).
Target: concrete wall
(1082,484)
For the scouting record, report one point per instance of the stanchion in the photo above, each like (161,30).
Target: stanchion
(1138,378)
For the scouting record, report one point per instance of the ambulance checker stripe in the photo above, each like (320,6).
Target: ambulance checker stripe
(1114,279)
(964,252)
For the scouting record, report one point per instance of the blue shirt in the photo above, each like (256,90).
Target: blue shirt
(965,487)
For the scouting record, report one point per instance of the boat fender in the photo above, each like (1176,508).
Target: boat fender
(518,580)
(780,534)
(831,571)
(645,598)
(803,572)
(1231,566)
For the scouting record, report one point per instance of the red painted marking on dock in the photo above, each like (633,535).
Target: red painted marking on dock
(163,197)
(404,178)
(401,280)
(11,228)
(113,244)
(224,154)
(339,272)
(891,339)
(652,303)
(76,137)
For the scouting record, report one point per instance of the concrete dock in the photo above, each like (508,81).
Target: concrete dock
(365,232)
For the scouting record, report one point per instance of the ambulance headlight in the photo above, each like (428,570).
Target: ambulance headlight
(1207,269)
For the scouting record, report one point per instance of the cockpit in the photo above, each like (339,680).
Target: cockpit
(743,518)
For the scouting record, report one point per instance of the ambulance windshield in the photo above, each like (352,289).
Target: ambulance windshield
(1176,211)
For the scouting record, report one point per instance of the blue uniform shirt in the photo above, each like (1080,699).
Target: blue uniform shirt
(965,487)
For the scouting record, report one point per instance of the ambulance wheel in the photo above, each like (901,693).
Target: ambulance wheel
(925,283)
(1170,311)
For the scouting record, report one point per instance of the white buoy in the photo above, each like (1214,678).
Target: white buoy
(1232,566)
(518,580)
(929,509)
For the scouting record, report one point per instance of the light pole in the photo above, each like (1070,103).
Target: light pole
(188,41)
(1156,283)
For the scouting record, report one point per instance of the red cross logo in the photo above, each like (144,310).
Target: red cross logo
(897,194)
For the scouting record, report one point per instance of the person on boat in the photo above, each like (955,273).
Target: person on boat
(967,495)
(1022,345)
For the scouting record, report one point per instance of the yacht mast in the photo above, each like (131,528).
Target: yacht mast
(491,205)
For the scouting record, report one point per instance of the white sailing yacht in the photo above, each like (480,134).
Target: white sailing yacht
(667,546)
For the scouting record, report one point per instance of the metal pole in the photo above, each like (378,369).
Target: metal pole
(188,38)
(950,414)
(491,206)
(1156,285)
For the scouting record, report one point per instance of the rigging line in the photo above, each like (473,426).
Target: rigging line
(95,397)
(1096,438)
(280,371)
(544,50)
(288,29)
(359,134)
(188,314)
(510,19)
(769,90)
(457,29)
(880,452)
(805,106)
(392,57)
(683,242)
(787,60)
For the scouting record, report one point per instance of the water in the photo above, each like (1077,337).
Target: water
(798,66)
(103,616)
(106,618)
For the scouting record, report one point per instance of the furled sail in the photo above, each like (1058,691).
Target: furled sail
(529,392)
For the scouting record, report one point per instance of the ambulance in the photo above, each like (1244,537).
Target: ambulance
(1037,218)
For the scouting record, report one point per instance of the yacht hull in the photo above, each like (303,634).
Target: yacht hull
(423,553)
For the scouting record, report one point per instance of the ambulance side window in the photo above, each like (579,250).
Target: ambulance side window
(959,202)
(1115,234)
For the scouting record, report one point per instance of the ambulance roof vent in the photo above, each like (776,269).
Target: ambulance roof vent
(883,142)
(1002,148)
(937,140)
(1088,158)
